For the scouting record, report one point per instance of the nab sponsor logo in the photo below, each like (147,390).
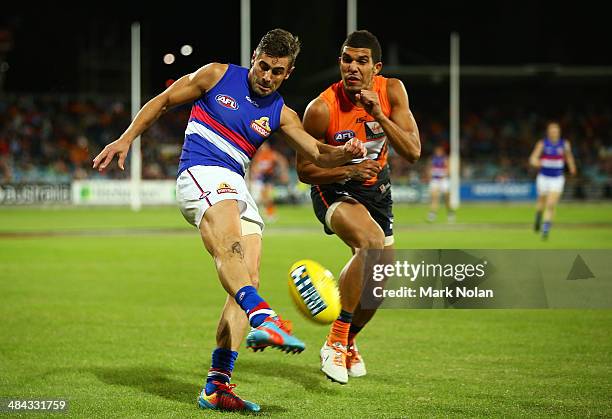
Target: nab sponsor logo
(344,136)
(227,101)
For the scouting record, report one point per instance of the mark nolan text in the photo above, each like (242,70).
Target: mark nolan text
(431,292)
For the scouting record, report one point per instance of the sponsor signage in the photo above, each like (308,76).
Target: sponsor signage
(35,193)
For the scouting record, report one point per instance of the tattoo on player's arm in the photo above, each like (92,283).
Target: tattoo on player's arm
(237,248)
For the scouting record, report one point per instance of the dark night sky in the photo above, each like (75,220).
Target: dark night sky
(87,49)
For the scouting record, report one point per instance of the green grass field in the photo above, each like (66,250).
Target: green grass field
(117,312)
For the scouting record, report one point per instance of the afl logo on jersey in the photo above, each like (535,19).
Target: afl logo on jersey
(344,136)
(227,101)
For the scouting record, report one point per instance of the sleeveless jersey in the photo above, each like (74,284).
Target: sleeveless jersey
(228,123)
(348,121)
(439,167)
(552,159)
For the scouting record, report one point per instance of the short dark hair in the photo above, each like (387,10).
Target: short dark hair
(364,39)
(279,43)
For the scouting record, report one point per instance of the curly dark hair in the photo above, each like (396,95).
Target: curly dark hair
(279,43)
(364,39)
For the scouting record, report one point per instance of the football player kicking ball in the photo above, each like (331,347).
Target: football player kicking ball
(354,201)
(236,109)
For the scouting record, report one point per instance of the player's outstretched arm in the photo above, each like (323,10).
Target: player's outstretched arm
(534,158)
(400,127)
(186,89)
(569,158)
(316,121)
(323,155)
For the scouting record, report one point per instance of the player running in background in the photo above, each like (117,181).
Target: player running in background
(268,166)
(550,156)
(236,109)
(354,201)
(438,185)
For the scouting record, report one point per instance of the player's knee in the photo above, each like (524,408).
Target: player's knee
(370,240)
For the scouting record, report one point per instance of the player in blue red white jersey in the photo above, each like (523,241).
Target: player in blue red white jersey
(550,156)
(235,110)
(438,184)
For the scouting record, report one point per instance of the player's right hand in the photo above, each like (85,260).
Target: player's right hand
(365,170)
(118,147)
(355,148)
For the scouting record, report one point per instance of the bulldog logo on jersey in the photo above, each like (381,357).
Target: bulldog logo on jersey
(262,126)
(227,101)
(225,188)
(344,136)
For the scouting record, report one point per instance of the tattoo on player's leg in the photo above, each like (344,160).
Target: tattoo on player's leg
(237,249)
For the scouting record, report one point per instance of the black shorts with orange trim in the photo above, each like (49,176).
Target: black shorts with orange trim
(376,198)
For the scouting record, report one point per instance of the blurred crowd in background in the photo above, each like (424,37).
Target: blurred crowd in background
(53,139)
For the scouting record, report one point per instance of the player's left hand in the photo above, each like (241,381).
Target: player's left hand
(370,102)
(363,171)
(118,147)
(355,148)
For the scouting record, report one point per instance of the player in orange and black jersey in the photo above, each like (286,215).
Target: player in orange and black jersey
(267,167)
(354,201)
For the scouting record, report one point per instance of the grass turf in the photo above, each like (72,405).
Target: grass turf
(123,324)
